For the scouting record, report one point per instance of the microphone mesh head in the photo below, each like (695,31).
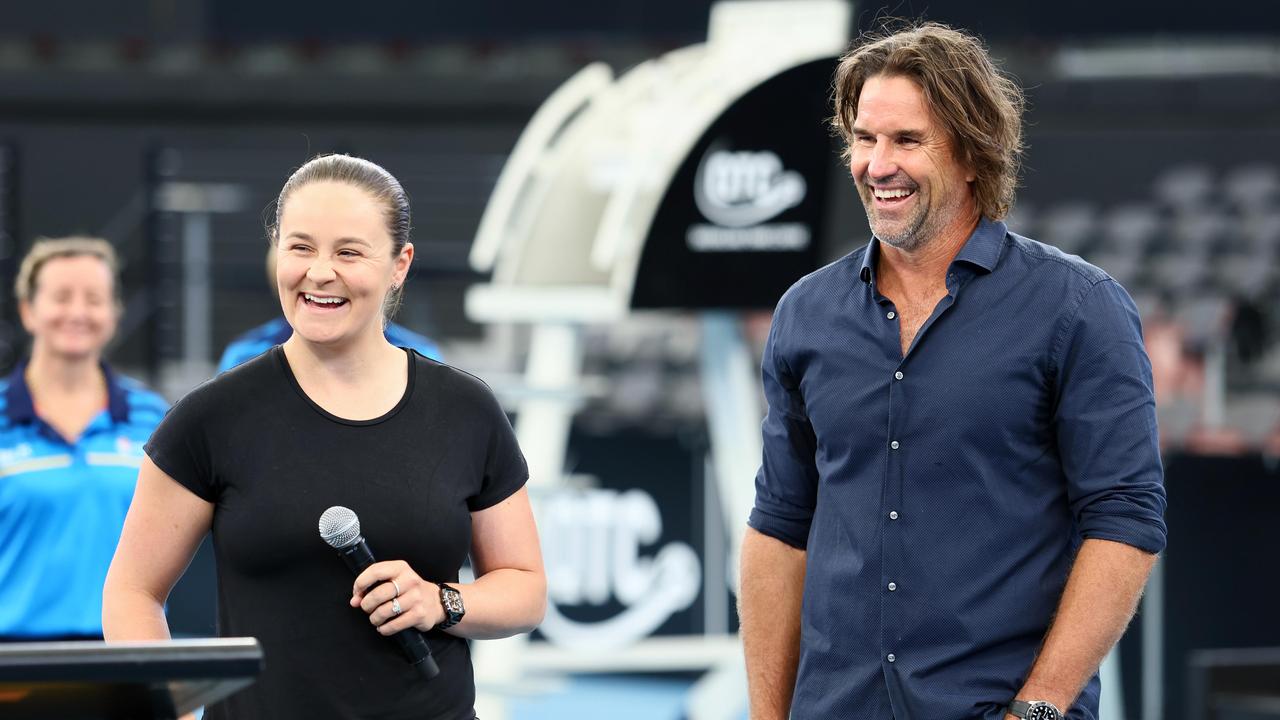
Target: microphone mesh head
(339,527)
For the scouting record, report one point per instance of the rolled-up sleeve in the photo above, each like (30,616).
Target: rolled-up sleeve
(787,482)
(1106,422)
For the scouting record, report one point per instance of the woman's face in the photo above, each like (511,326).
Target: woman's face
(72,313)
(334,262)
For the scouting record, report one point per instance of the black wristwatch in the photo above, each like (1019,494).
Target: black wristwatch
(1035,710)
(451,601)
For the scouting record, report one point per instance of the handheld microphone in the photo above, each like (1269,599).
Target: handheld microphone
(340,528)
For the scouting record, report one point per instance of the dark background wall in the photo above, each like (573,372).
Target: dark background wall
(673,20)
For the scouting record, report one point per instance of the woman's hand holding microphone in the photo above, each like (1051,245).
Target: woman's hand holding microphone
(396,598)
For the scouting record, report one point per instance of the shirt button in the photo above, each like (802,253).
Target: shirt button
(897,375)
(893,586)
(893,514)
(892,658)
(892,315)
(894,444)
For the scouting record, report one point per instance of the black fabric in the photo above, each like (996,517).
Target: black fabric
(272,461)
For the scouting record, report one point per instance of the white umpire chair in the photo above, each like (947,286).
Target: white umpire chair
(694,182)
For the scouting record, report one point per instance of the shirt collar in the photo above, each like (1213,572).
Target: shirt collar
(21,408)
(982,249)
(117,397)
(984,246)
(18,405)
(868,269)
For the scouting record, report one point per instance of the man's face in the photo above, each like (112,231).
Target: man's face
(904,166)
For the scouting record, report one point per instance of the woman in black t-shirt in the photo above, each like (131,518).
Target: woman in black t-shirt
(337,416)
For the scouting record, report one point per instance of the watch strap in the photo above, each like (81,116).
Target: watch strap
(1023,708)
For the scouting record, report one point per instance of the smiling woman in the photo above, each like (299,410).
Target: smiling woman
(336,415)
(71,436)
(355,205)
(337,266)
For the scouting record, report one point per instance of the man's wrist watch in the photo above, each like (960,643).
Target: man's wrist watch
(451,601)
(1034,710)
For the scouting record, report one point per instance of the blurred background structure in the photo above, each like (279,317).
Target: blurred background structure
(167,126)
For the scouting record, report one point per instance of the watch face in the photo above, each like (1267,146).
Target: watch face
(1042,711)
(453,601)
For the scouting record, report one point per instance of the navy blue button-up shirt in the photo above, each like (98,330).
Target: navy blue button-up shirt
(940,496)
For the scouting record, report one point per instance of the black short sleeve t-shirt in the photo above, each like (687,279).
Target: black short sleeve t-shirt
(271,461)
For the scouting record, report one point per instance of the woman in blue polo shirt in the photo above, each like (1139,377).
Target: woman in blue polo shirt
(71,438)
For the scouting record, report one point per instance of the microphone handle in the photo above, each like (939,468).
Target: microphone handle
(411,642)
(357,556)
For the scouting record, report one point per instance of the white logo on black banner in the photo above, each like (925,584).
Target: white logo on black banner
(738,190)
(592,542)
(742,188)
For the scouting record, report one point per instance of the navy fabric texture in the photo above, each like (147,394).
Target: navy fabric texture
(941,496)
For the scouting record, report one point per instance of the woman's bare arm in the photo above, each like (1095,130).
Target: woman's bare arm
(165,525)
(509,595)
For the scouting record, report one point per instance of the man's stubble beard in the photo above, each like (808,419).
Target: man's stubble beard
(923,226)
(914,235)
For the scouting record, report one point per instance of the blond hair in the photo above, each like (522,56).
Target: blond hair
(46,249)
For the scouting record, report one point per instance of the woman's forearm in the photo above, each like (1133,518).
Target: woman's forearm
(501,603)
(132,614)
(509,596)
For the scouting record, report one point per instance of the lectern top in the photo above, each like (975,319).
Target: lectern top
(130,661)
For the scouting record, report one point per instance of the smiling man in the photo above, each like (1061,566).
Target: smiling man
(961,496)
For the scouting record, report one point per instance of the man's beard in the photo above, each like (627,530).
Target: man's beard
(915,232)
(913,235)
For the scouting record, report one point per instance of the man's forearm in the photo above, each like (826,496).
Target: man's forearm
(769,602)
(1099,600)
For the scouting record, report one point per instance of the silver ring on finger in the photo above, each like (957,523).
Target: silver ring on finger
(395,585)
(395,606)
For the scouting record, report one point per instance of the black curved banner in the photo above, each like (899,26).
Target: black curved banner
(742,219)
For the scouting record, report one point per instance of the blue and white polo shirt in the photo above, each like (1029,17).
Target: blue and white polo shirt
(62,505)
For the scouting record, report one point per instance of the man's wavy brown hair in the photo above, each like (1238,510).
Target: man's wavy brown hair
(979,106)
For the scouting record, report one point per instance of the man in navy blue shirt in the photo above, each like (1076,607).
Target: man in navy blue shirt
(961,495)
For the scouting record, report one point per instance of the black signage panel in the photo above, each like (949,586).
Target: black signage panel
(641,551)
(11,335)
(741,220)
